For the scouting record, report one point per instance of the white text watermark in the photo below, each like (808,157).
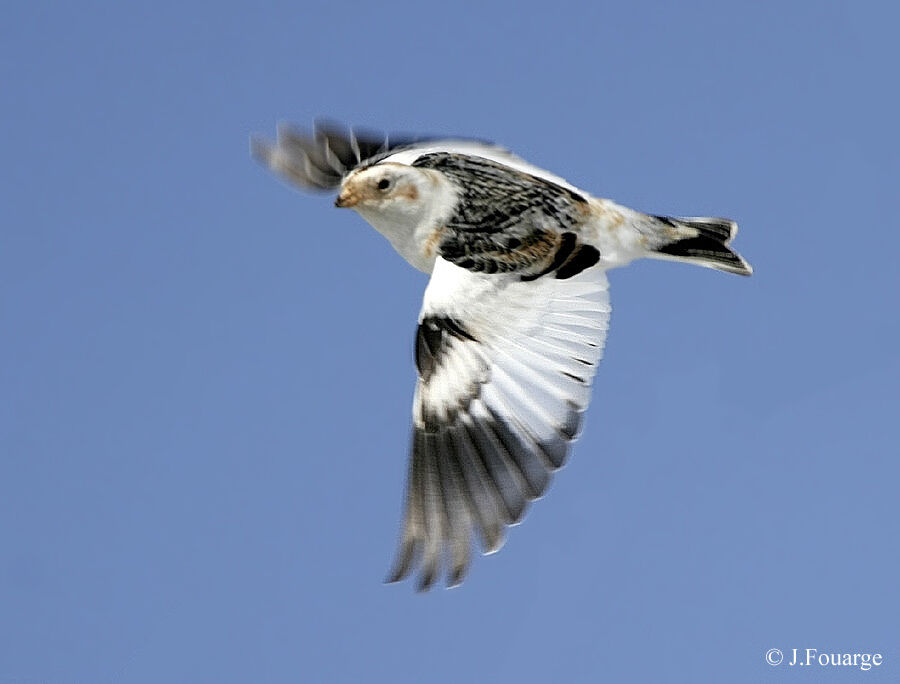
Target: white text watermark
(813,657)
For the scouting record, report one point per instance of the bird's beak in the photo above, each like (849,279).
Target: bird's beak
(346,200)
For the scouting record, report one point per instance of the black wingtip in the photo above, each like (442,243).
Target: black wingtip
(426,580)
(403,562)
(457,576)
(517,511)
(570,428)
(396,575)
(493,537)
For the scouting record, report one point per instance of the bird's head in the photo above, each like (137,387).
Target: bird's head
(388,191)
(401,202)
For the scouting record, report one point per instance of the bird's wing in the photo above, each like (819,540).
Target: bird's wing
(506,220)
(320,160)
(505,369)
(476,148)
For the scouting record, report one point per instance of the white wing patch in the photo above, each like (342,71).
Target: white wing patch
(505,372)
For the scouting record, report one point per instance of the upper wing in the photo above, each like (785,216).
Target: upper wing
(506,220)
(505,369)
(319,160)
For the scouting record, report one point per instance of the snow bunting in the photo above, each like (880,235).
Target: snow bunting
(513,321)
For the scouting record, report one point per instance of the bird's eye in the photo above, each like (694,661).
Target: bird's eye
(384,184)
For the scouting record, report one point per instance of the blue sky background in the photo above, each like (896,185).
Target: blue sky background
(205,377)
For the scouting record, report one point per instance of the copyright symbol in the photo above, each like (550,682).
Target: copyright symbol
(774,656)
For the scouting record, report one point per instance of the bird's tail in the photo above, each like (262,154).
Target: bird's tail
(703,241)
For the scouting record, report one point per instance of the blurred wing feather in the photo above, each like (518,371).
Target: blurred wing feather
(319,160)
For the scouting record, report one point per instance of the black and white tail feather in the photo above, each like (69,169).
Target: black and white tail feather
(705,243)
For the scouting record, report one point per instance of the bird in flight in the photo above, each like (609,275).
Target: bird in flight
(513,321)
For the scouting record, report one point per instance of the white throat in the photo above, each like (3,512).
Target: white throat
(412,233)
(401,231)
